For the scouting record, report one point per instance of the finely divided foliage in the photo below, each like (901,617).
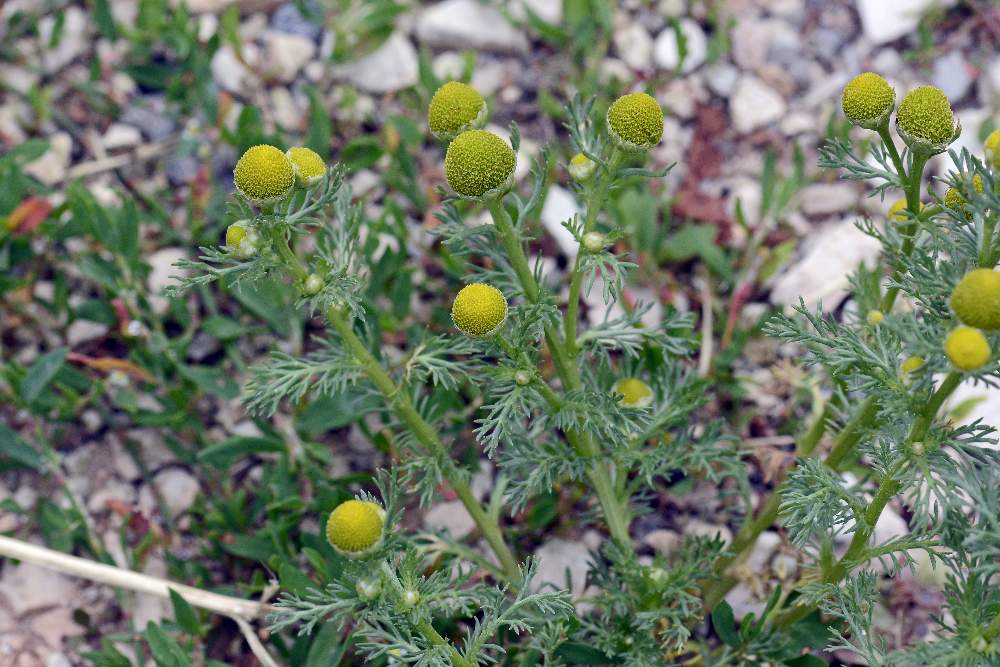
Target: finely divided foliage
(548,414)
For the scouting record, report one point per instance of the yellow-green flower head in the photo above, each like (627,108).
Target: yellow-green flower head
(967,348)
(241,240)
(926,122)
(867,100)
(976,299)
(910,364)
(581,167)
(479,309)
(874,317)
(308,165)
(897,212)
(635,121)
(634,393)
(264,174)
(991,150)
(479,165)
(955,199)
(455,108)
(355,527)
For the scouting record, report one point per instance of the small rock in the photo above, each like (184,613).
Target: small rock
(754,104)
(286,113)
(163,273)
(177,488)
(451,517)
(993,75)
(20,79)
(489,77)
(667,54)
(743,601)
(559,558)
(288,18)
(822,199)
(30,587)
(391,67)
(887,20)
(469,24)
(662,540)
(202,346)
(765,546)
(448,65)
(153,124)
(83,331)
(285,55)
(634,46)
(51,167)
(229,73)
(822,273)
(721,78)
(613,69)
(110,491)
(798,122)
(146,607)
(951,75)
(560,205)
(699,527)
(120,135)
(72,41)
(550,11)
(785,567)
(182,169)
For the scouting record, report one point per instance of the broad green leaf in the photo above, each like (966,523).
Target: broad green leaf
(724,624)
(166,652)
(327,649)
(224,453)
(14,448)
(41,373)
(184,614)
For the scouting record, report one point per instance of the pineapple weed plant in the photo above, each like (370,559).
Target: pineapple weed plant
(610,407)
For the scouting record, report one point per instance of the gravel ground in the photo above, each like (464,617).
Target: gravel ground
(775,87)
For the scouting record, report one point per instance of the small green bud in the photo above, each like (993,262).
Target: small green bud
(522,378)
(312,285)
(634,393)
(581,167)
(918,448)
(594,242)
(410,599)
(455,108)
(368,589)
(874,317)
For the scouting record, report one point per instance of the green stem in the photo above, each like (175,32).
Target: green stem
(890,146)
(615,512)
(434,637)
(598,195)
(993,629)
(845,443)
(428,437)
(910,230)
(281,243)
(986,260)
(887,490)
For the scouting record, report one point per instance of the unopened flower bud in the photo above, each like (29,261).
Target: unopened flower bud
(991,150)
(967,348)
(867,100)
(594,242)
(410,599)
(368,589)
(874,317)
(976,299)
(312,285)
(634,393)
(581,167)
(926,122)
(522,378)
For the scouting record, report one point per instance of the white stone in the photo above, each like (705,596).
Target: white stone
(550,11)
(286,113)
(72,38)
(178,488)
(50,167)
(754,104)
(743,601)
(83,331)
(785,567)
(469,24)
(977,401)
(450,517)
(703,528)
(230,73)
(888,526)
(559,558)
(286,54)
(560,205)
(391,67)
(30,587)
(765,546)
(163,273)
(992,75)
(448,65)
(634,46)
(110,491)
(951,75)
(663,541)
(19,79)
(887,20)
(821,199)
(120,135)
(721,78)
(822,274)
(667,55)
